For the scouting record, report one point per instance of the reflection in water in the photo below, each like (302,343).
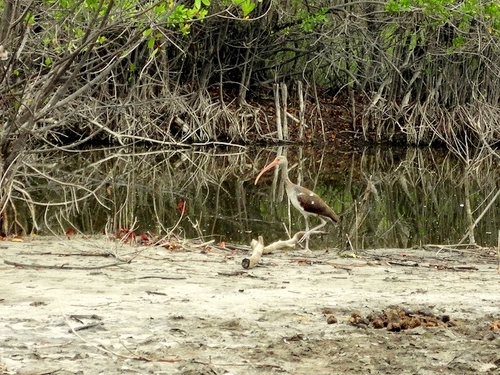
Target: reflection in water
(386,197)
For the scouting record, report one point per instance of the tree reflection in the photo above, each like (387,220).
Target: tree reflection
(387,197)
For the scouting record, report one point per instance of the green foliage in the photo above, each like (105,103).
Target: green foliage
(492,12)
(182,16)
(167,14)
(29,19)
(462,17)
(101,39)
(247,6)
(309,21)
(395,6)
(459,41)
(197,3)
(441,11)
(430,7)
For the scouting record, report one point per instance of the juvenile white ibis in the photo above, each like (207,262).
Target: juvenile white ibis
(304,200)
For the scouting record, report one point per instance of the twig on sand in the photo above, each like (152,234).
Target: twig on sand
(64,266)
(87,326)
(451,248)
(48,372)
(238,364)
(159,277)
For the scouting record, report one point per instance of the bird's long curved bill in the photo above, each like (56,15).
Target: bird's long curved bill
(266,168)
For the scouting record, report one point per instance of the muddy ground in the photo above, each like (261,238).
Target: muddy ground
(197,311)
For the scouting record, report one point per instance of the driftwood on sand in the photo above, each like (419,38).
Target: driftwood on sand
(259,249)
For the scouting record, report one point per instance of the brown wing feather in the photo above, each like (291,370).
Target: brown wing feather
(312,203)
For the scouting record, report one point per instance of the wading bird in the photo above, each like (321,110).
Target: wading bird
(304,200)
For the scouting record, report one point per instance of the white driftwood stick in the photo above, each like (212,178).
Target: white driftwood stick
(259,249)
(283,243)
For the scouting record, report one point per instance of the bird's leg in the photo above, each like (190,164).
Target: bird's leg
(323,223)
(306,236)
(308,232)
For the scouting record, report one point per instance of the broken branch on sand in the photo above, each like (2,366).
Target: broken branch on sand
(259,249)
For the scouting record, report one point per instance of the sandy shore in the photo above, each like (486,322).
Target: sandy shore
(197,311)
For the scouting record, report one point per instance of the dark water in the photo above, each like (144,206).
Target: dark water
(385,197)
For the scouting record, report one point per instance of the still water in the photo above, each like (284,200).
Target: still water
(386,197)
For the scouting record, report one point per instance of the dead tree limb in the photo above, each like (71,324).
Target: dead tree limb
(259,249)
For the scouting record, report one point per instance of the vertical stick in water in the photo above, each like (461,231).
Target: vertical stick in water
(301,110)
(284,99)
(278,111)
